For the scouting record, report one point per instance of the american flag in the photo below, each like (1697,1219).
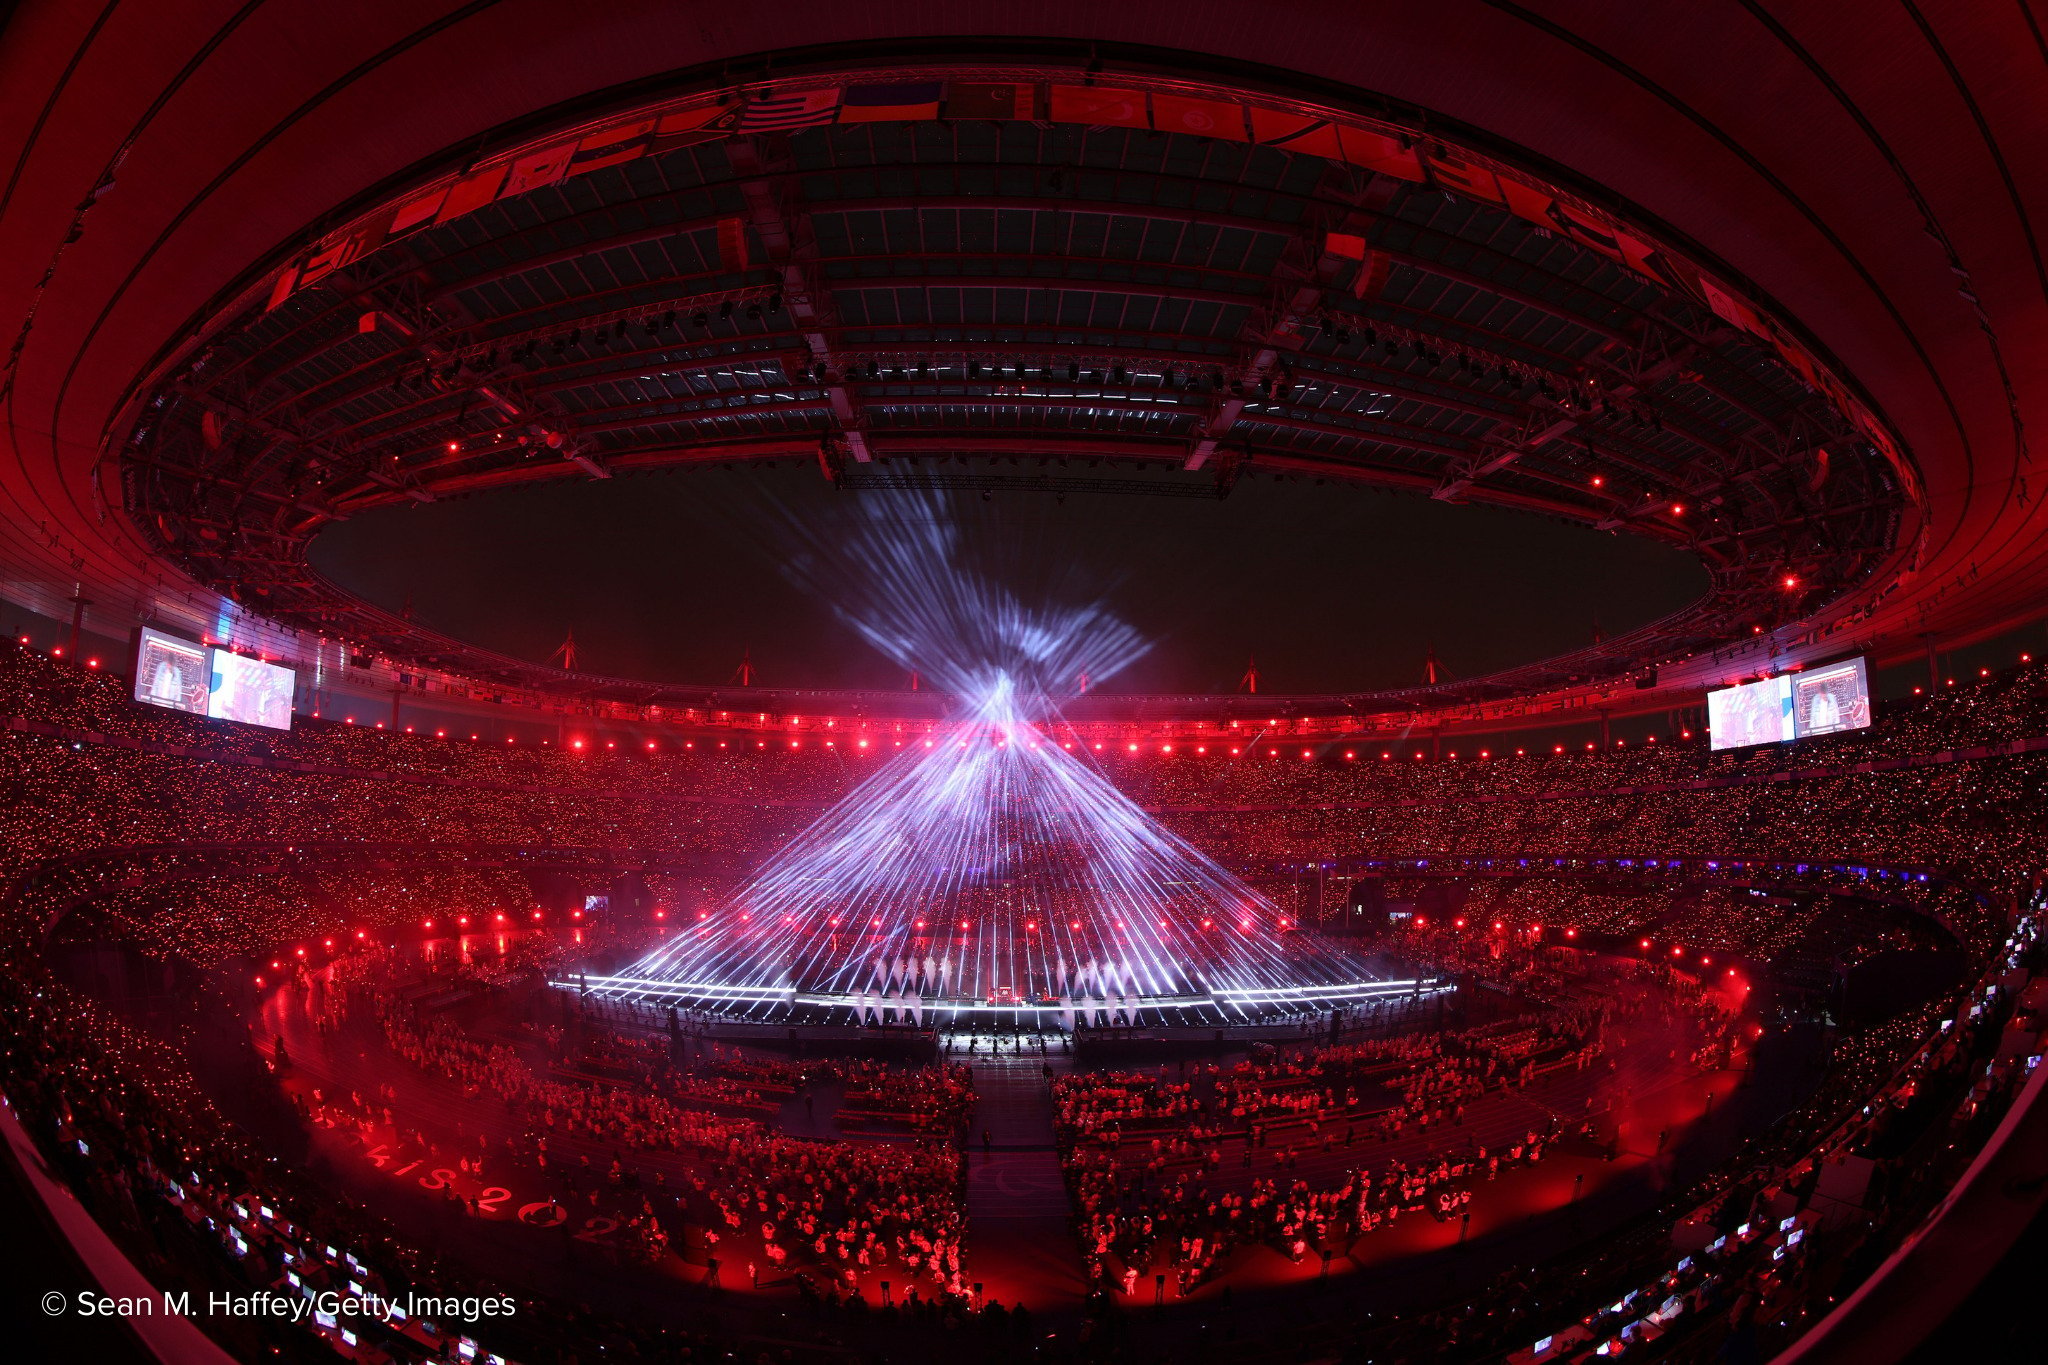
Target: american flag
(801,109)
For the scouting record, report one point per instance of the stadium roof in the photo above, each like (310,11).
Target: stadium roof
(1468,251)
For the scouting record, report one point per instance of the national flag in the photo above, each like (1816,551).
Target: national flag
(876,103)
(612,146)
(537,170)
(418,212)
(1096,106)
(976,99)
(1295,133)
(798,109)
(1380,153)
(1204,118)
(687,127)
(471,193)
(339,251)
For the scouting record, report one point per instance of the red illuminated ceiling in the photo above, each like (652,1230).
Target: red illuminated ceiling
(193,392)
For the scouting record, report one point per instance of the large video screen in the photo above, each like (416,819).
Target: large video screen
(1826,700)
(1754,713)
(1817,701)
(170,672)
(250,691)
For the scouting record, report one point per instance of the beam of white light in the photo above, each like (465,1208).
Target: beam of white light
(994,866)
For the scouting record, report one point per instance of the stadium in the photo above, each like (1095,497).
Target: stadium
(1165,682)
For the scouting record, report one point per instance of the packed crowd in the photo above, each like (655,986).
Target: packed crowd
(141,817)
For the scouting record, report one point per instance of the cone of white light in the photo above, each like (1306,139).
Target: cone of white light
(993,849)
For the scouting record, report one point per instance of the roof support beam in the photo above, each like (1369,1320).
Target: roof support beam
(779,220)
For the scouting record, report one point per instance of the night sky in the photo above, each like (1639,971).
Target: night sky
(674,576)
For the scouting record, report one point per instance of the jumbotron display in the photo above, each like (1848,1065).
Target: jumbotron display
(206,680)
(991,868)
(1818,701)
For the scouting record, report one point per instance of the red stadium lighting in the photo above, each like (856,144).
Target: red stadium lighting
(500,917)
(1166,748)
(1075,925)
(650,746)
(661,914)
(1484,754)
(1791,580)
(536,914)
(1571,933)
(1644,945)
(1677,509)
(1305,753)
(575,914)
(1350,754)
(92,663)
(465,919)
(1201,748)
(361,934)
(1598,481)
(963,924)
(327,943)
(1458,923)
(300,951)
(1030,926)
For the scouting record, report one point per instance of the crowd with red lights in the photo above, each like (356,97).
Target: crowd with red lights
(132,821)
